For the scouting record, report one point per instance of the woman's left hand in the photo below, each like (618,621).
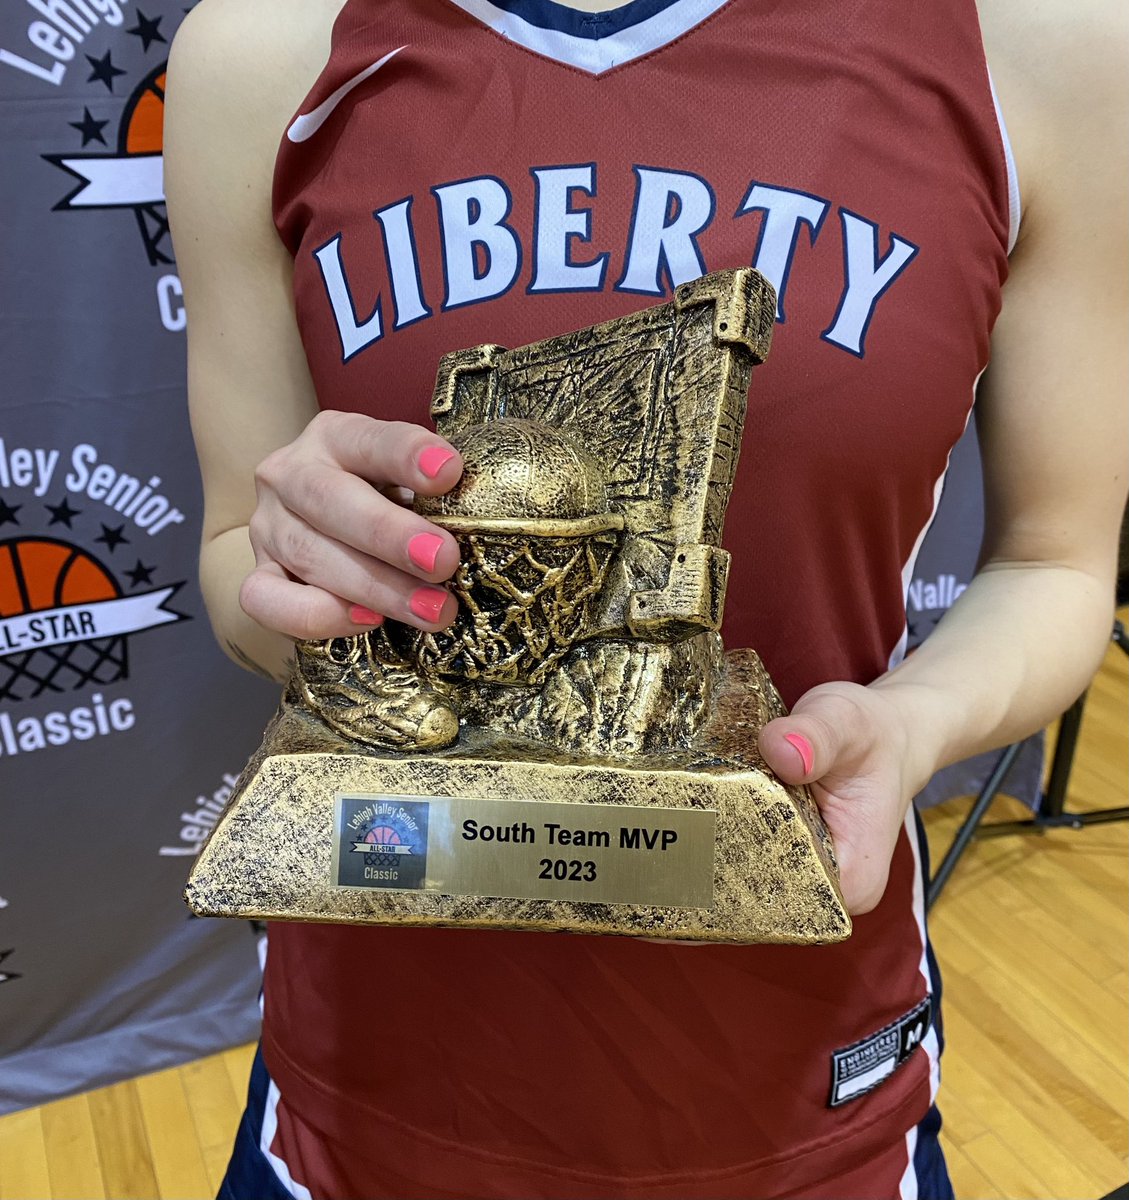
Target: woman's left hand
(854,749)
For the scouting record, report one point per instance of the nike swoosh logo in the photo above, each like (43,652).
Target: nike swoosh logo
(307,124)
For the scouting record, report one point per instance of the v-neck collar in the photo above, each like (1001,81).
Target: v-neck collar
(591,42)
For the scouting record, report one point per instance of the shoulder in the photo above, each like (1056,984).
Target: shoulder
(239,69)
(262,36)
(1059,71)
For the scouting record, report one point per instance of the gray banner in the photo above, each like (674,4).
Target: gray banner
(113,763)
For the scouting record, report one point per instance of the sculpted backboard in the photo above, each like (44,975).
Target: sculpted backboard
(576,752)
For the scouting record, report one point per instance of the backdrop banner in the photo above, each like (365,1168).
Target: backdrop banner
(122,726)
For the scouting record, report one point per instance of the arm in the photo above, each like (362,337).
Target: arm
(1026,637)
(297,531)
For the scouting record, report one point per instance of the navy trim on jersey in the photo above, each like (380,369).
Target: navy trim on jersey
(930,1169)
(547,14)
(591,42)
(249,1175)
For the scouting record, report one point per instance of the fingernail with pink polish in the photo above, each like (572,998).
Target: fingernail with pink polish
(360,615)
(427,603)
(423,550)
(432,460)
(803,748)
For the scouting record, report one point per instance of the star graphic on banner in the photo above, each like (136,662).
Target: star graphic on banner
(103,70)
(62,513)
(6,975)
(147,30)
(8,512)
(90,129)
(112,537)
(141,574)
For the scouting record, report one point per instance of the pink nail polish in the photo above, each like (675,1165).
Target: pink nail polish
(427,603)
(432,459)
(423,550)
(803,749)
(360,615)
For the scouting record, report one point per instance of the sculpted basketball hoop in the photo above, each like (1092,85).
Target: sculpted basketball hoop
(576,752)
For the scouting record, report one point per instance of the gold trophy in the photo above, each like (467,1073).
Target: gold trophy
(576,752)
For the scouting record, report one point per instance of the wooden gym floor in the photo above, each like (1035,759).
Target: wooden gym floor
(1031,933)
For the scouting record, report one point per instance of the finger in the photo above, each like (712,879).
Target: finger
(824,732)
(313,558)
(349,510)
(390,452)
(268,595)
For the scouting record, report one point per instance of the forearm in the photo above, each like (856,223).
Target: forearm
(224,562)
(1018,647)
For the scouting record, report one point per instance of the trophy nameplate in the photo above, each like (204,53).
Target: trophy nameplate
(577,752)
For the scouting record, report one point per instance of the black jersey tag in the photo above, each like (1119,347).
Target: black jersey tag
(861,1067)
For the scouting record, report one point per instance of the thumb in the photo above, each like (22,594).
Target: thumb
(811,741)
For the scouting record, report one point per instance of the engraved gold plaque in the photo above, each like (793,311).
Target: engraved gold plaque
(525,849)
(581,703)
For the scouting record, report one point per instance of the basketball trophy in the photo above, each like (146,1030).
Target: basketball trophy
(576,752)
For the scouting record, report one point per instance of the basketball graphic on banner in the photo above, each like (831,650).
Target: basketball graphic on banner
(133,176)
(144,117)
(40,574)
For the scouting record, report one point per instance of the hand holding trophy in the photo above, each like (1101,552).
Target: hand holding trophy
(576,752)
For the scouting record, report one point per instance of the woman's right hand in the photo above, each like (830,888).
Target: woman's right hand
(335,553)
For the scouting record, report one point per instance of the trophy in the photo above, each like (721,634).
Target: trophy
(576,752)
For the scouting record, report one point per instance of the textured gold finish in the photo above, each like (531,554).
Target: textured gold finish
(584,667)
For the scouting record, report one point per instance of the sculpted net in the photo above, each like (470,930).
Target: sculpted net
(523,602)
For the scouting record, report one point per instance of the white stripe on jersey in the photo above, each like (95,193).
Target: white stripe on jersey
(907,1189)
(931,1043)
(270,1112)
(899,650)
(270,1128)
(595,55)
(1014,207)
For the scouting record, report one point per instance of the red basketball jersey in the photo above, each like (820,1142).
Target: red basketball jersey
(469,171)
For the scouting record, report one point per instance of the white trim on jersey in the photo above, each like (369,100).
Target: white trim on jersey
(930,1042)
(907,1188)
(270,1128)
(1014,207)
(899,650)
(595,55)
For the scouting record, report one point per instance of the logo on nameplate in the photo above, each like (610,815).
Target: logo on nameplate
(381,842)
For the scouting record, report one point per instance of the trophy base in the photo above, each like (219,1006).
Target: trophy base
(702,844)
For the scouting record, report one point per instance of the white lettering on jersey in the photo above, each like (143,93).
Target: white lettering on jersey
(473,213)
(867,277)
(403,263)
(355,335)
(482,253)
(784,212)
(557,225)
(671,209)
